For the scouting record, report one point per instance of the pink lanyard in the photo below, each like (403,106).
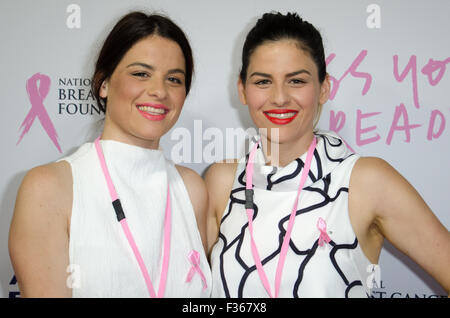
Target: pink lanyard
(287,237)
(122,220)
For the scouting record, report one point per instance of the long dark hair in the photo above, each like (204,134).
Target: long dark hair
(130,29)
(276,26)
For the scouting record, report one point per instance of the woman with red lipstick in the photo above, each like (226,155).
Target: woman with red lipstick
(116,218)
(309,219)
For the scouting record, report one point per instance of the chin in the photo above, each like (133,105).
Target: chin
(284,135)
(149,135)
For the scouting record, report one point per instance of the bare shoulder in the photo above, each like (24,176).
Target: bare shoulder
(191,179)
(386,190)
(45,194)
(50,183)
(199,198)
(39,231)
(55,173)
(219,179)
(208,195)
(196,189)
(402,216)
(221,172)
(187,172)
(371,177)
(374,179)
(372,167)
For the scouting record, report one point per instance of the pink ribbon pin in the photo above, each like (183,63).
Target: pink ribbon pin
(322,226)
(194,259)
(38,87)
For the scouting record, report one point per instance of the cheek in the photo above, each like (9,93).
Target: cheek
(126,89)
(256,98)
(307,98)
(178,97)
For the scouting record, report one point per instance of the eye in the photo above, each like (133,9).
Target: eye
(141,74)
(297,81)
(175,80)
(262,82)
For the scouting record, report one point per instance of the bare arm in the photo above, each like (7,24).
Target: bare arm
(219,182)
(199,198)
(39,232)
(400,215)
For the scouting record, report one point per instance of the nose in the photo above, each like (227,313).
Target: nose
(279,96)
(156,88)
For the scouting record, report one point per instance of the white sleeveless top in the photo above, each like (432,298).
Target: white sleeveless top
(101,260)
(336,269)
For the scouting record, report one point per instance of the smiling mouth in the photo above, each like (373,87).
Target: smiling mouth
(281,116)
(153,112)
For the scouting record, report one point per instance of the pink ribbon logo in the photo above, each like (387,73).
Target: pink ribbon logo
(194,259)
(37,95)
(322,226)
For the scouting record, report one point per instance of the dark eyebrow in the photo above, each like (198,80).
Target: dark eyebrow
(297,73)
(287,75)
(177,70)
(151,68)
(260,74)
(142,64)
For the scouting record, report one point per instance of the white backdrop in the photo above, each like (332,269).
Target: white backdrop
(390,92)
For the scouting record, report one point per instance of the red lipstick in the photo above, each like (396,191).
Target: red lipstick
(281,116)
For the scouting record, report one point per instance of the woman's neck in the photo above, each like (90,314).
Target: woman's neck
(281,154)
(117,134)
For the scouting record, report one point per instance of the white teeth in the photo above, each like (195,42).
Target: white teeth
(150,109)
(281,116)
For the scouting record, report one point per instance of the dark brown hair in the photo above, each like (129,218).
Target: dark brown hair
(276,26)
(130,29)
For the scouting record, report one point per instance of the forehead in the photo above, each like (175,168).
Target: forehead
(281,55)
(157,51)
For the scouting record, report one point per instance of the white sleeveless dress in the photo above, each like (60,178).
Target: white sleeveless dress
(101,260)
(336,269)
